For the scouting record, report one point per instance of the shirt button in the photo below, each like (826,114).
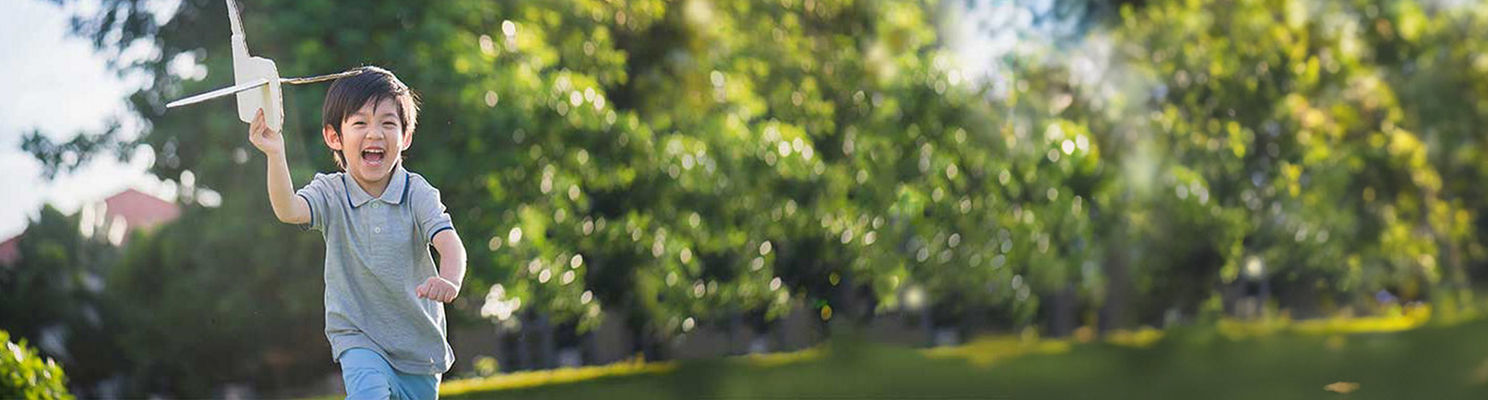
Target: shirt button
(377,229)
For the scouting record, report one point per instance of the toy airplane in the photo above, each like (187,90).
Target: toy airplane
(256,80)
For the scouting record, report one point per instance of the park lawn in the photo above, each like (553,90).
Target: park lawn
(1369,358)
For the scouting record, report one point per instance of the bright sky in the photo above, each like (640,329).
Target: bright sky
(55,83)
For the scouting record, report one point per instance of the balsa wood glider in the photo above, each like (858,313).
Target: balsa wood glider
(257,81)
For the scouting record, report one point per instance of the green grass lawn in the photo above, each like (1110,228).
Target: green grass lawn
(1218,362)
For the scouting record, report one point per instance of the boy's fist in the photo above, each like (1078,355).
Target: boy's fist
(264,138)
(438,289)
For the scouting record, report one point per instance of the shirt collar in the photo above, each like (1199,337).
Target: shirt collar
(396,190)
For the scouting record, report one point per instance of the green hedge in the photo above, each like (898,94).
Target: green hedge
(24,375)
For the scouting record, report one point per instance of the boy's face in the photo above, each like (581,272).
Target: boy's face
(372,140)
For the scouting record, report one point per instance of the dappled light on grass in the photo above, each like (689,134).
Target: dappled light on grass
(529,379)
(1342,387)
(1410,317)
(992,349)
(636,366)
(985,351)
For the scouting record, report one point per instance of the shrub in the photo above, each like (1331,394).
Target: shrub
(23,374)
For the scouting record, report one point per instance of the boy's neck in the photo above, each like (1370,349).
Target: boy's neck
(374,188)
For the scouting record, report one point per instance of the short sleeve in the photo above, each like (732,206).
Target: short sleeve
(318,194)
(429,213)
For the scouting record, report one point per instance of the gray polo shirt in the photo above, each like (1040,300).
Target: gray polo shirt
(377,253)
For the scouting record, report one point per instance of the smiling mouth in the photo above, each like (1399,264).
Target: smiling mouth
(373,156)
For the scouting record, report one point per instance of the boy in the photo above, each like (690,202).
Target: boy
(383,313)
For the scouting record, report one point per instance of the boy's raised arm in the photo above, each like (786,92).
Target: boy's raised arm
(287,207)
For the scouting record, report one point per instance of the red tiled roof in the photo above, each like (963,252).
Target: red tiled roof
(140,210)
(10,250)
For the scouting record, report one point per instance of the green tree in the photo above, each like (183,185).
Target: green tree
(1280,141)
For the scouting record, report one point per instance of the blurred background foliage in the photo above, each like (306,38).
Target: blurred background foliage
(680,164)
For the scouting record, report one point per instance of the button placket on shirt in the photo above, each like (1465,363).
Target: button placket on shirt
(376,219)
(378,216)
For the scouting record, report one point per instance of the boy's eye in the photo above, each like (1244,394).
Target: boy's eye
(390,124)
(358,123)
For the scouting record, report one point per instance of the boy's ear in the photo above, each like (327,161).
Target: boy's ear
(407,139)
(332,139)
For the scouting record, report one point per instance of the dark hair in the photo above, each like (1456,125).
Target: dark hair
(347,95)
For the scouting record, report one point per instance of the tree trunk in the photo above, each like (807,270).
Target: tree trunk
(1114,313)
(1062,322)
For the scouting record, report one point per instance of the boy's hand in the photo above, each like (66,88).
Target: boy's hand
(438,289)
(264,138)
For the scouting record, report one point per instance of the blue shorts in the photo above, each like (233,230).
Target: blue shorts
(368,376)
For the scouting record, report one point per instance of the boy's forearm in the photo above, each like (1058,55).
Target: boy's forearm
(281,192)
(453,269)
(451,256)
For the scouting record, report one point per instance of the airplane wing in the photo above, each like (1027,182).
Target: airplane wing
(227,91)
